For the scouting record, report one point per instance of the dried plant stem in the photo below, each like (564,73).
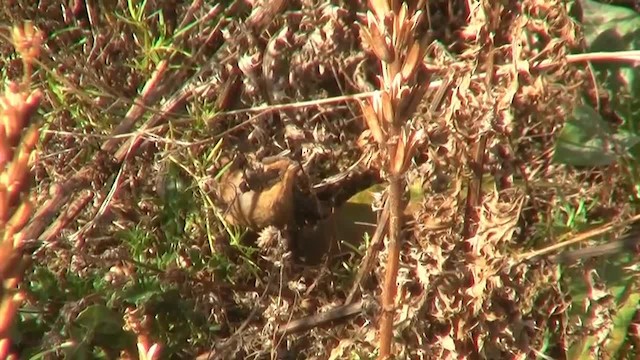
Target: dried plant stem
(390,33)
(390,286)
(474,193)
(580,238)
(18,139)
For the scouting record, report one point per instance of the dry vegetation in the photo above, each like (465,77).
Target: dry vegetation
(196,160)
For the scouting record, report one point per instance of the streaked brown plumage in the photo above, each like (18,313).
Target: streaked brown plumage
(271,204)
(275,195)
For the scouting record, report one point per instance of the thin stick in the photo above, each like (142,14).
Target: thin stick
(310,322)
(579,238)
(372,253)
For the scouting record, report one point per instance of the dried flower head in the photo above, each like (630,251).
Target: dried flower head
(27,40)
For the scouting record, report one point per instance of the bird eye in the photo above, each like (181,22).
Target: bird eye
(244,186)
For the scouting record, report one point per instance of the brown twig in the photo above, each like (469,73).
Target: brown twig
(368,262)
(474,192)
(628,242)
(310,322)
(582,237)
(396,188)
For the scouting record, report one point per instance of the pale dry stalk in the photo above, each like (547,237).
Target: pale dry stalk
(18,139)
(392,33)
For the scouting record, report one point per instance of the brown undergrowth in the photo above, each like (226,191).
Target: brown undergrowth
(148,107)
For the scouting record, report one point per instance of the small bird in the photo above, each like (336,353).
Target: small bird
(267,202)
(278,194)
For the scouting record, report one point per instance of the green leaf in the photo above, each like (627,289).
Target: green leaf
(100,320)
(99,327)
(627,302)
(609,27)
(140,293)
(587,140)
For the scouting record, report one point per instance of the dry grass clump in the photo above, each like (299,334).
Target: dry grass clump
(476,298)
